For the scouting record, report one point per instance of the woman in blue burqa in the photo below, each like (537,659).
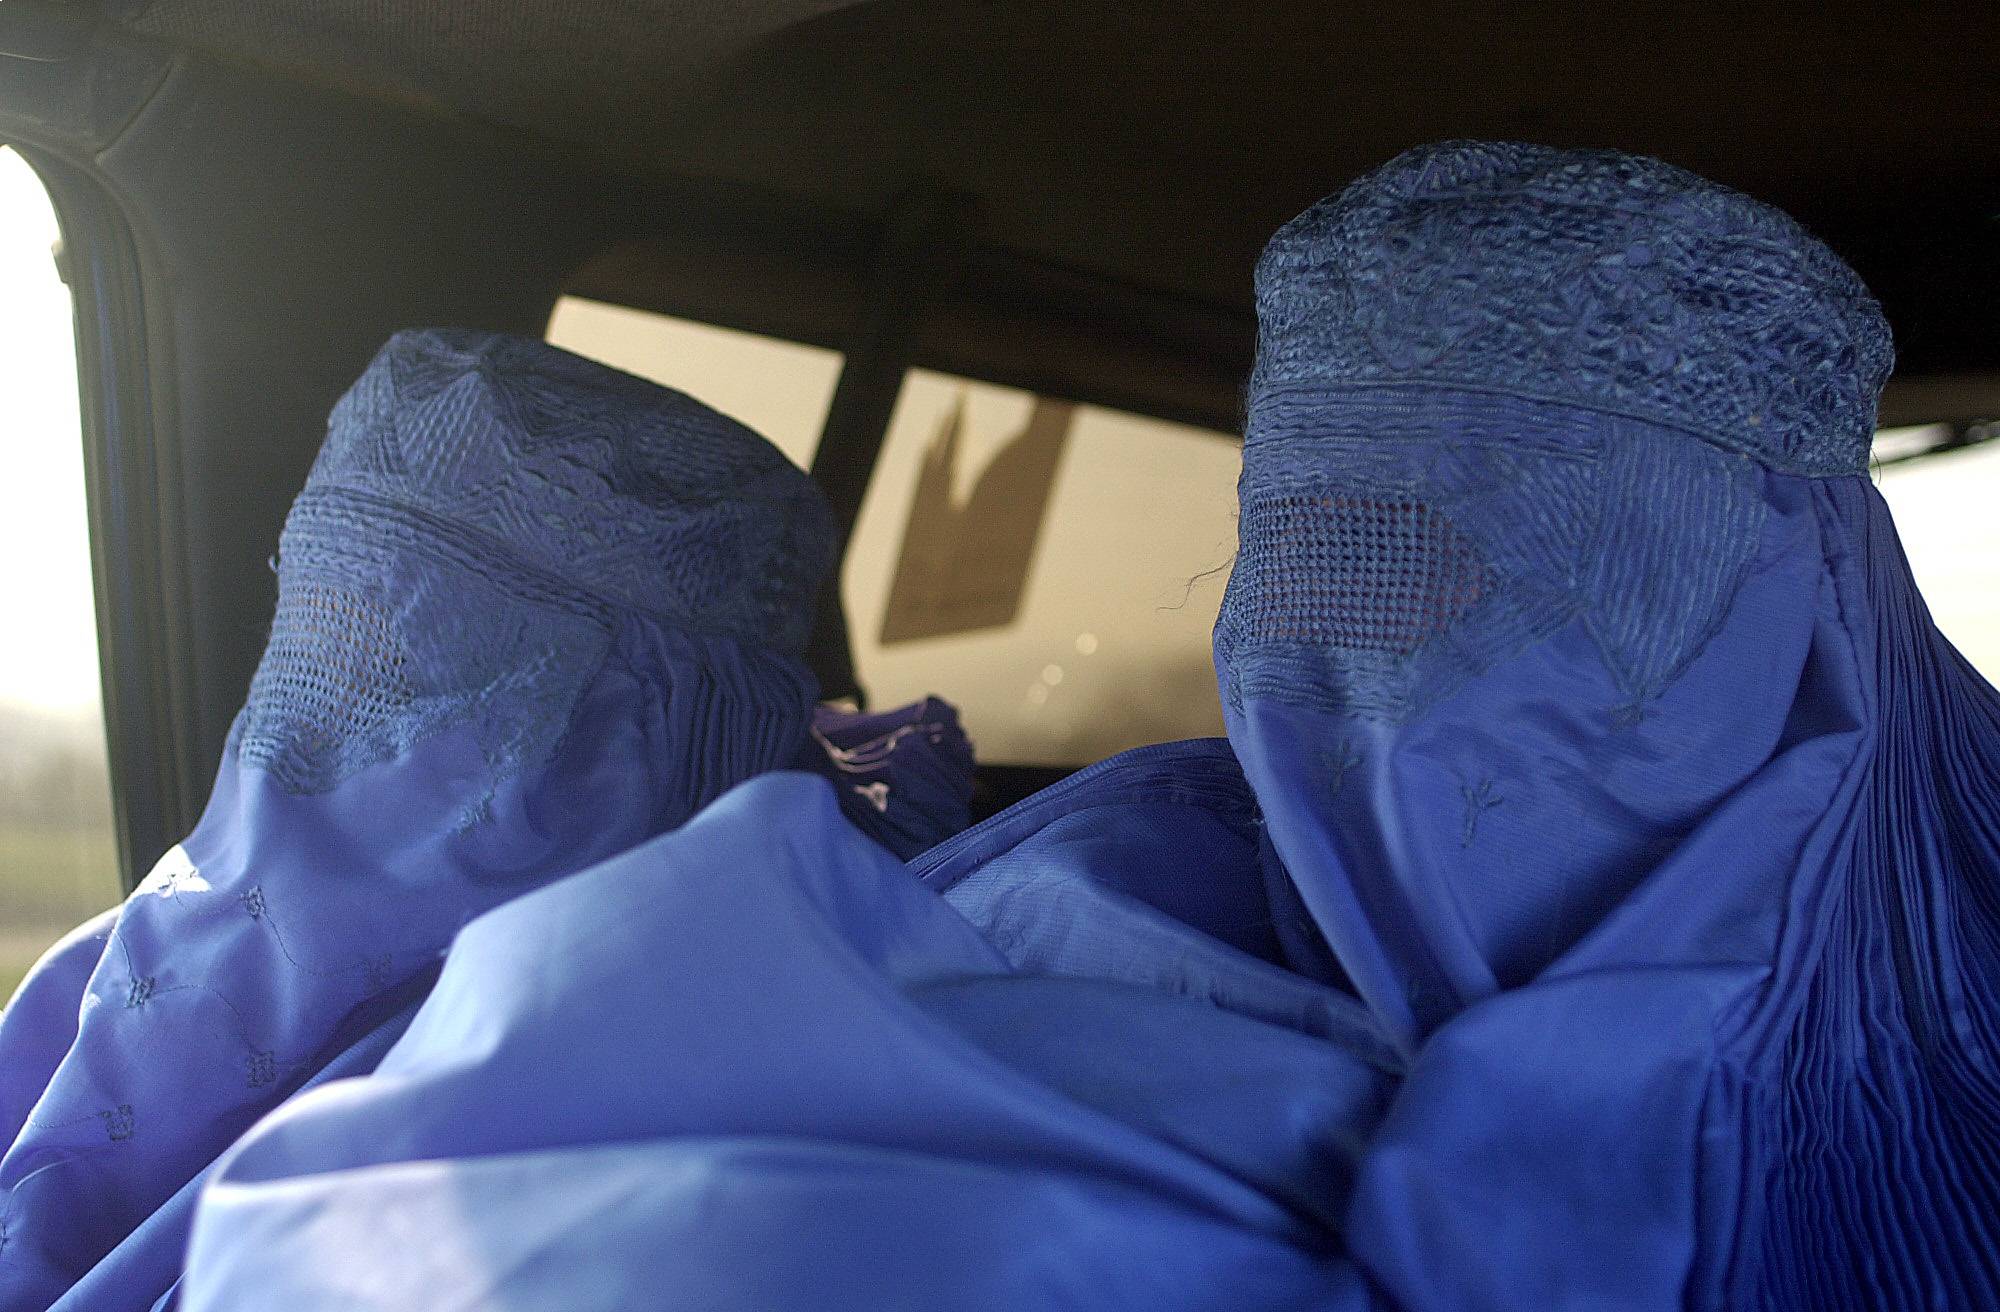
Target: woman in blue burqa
(1603,913)
(1600,725)
(531,612)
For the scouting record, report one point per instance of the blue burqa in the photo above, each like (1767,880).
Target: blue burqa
(756,1064)
(1599,723)
(531,612)
(1597,908)
(1595,739)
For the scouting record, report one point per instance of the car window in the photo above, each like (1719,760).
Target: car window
(1053,569)
(58,858)
(1944,508)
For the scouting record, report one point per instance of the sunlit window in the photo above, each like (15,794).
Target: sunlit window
(58,861)
(1945,514)
(1052,569)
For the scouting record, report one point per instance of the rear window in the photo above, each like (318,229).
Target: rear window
(1052,569)
(1106,642)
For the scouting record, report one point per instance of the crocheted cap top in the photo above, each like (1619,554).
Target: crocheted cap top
(624,490)
(487,513)
(1589,278)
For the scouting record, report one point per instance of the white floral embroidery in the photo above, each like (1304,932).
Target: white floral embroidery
(173,874)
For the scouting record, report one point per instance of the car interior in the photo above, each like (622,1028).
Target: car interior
(1062,204)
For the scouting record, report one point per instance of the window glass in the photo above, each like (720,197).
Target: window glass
(1054,570)
(58,860)
(1944,508)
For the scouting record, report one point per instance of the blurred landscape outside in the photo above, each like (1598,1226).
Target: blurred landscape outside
(1101,645)
(58,863)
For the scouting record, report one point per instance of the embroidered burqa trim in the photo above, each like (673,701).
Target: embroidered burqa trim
(904,776)
(1397,541)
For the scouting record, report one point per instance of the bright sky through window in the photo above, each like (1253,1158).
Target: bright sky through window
(50,657)
(1944,508)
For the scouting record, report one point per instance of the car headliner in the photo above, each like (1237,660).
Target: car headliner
(1158,145)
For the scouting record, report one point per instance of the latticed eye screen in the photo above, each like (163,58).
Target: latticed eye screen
(334,668)
(1355,571)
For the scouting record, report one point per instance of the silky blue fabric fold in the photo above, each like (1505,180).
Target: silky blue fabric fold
(756,1064)
(512,638)
(1150,868)
(1597,719)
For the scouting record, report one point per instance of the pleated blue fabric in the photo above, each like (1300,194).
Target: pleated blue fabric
(756,1064)
(531,613)
(1597,718)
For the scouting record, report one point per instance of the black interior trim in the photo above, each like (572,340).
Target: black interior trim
(876,358)
(997,787)
(280,235)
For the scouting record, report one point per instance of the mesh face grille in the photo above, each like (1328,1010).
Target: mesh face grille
(334,669)
(1356,572)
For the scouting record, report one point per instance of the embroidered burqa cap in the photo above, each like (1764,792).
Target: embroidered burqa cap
(484,513)
(531,612)
(1597,719)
